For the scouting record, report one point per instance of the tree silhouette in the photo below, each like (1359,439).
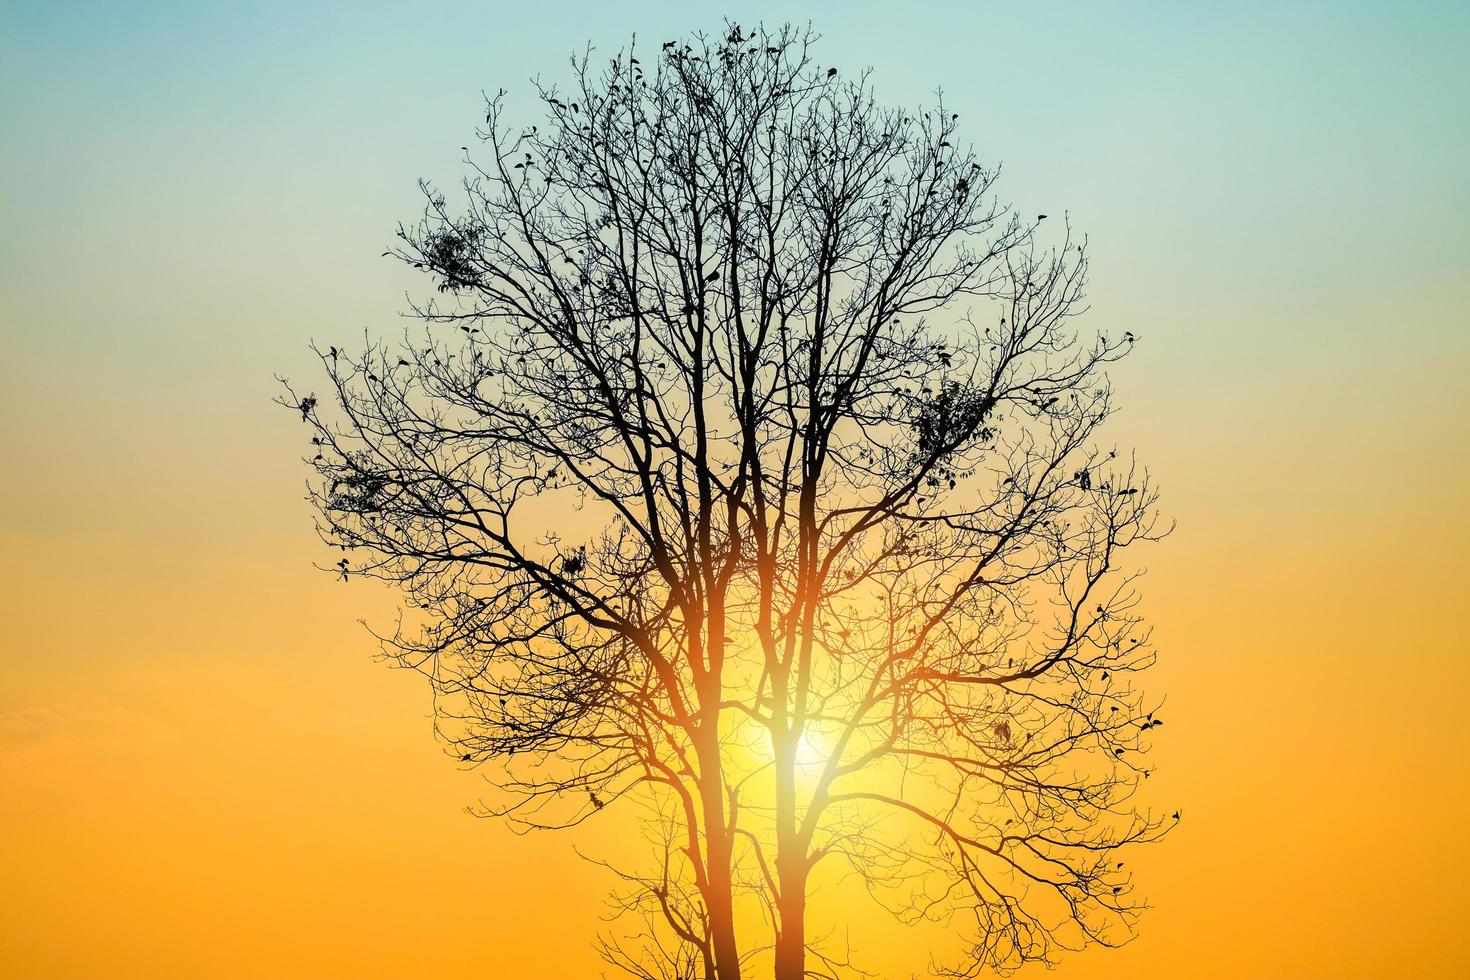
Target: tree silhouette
(747,473)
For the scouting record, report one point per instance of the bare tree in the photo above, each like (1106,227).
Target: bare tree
(747,473)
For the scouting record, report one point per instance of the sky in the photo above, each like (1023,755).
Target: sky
(204,773)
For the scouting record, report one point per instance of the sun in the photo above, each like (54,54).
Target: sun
(812,750)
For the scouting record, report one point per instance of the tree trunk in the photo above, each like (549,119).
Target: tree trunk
(719,898)
(791,870)
(722,912)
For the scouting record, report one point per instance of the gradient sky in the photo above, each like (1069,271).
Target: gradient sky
(203,773)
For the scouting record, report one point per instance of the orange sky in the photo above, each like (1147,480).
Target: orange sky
(203,773)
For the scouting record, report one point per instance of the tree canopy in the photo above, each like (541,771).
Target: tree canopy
(748,473)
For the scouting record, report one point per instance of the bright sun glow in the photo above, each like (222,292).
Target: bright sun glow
(811,751)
